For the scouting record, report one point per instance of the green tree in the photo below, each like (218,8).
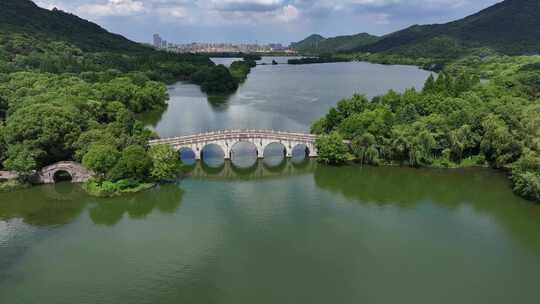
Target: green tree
(429,86)
(101,158)
(87,139)
(22,159)
(3,108)
(498,145)
(331,149)
(319,127)
(165,162)
(134,164)
(45,127)
(365,148)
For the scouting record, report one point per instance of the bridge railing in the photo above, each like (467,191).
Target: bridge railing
(236,134)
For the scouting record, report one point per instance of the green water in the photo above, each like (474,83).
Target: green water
(303,234)
(276,232)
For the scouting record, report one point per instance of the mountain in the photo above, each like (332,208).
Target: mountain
(309,43)
(36,27)
(510,27)
(319,44)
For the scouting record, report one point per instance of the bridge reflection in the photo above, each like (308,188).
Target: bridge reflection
(260,169)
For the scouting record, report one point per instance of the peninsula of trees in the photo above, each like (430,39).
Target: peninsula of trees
(455,121)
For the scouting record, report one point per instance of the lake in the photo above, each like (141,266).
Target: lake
(276,231)
(279,97)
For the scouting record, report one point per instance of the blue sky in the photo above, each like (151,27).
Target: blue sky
(283,21)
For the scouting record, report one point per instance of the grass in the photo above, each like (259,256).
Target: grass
(110,189)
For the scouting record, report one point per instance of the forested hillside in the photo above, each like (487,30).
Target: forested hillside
(26,18)
(510,27)
(69,90)
(316,44)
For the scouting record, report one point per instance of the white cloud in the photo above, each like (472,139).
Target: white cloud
(288,13)
(113,8)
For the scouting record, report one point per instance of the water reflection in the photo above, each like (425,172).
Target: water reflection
(219,103)
(165,198)
(482,190)
(259,170)
(49,205)
(60,204)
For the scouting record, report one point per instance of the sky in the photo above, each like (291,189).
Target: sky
(262,21)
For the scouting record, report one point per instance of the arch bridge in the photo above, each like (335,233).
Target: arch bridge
(76,172)
(226,139)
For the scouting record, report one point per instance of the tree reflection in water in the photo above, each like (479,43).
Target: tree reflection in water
(165,199)
(485,191)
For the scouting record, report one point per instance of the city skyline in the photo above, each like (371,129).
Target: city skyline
(215,47)
(262,21)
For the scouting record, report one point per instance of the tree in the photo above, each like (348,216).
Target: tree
(319,127)
(461,140)
(429,86)
(91,137)
(377,122)
(45,127)
(22,159)
(331,149)
(3,107)
(365,148)
(165,162)
(134,163)
(101,158)
(498,145)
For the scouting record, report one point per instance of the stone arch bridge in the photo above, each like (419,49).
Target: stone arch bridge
(226,139)
(76,171)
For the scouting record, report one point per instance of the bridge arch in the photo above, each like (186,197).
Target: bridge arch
(213,154)
(187,155)
(62,176)
(274,146)
(300,149)
(244,154)
(53,173)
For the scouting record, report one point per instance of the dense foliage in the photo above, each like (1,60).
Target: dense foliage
(240,69)
(456,120)
(215,80)
(69,90)
(331,149)
(317,44)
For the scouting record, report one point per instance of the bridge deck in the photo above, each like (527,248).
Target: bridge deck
(236,135)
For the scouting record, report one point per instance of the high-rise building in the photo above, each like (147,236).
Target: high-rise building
(164,44)
(157,41)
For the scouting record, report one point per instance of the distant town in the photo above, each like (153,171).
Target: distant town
(199,47)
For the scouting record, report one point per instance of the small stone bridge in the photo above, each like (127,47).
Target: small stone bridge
(50,174)
(226,139)
(76,171)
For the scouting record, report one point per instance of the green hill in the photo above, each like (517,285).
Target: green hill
(510,27)
(39,26)
(317,44)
